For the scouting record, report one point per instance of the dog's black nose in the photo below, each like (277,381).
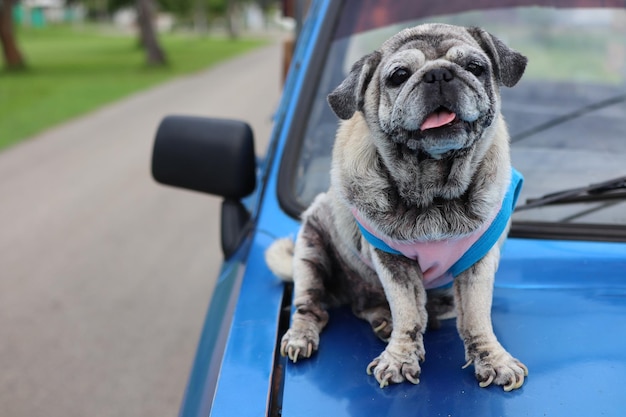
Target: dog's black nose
(438,74)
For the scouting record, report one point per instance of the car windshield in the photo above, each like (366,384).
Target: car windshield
(567,117)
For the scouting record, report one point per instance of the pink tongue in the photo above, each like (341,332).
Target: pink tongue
(437,119)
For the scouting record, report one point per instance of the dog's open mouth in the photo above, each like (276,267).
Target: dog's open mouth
(441,131)
(439,118)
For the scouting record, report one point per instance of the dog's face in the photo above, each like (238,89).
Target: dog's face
(432,88)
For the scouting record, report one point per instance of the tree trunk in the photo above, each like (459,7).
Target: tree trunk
(231,19)
(13,59)
(147,34)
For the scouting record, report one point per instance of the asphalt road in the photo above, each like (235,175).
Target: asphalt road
(105,276)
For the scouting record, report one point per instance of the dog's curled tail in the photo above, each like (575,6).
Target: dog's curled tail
(279,258)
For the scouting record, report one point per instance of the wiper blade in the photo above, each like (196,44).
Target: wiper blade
(607,190)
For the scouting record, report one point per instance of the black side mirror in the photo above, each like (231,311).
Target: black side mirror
(214,156)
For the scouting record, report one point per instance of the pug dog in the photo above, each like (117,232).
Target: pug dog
(420,199)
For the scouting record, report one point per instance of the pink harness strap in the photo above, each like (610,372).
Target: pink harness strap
(434,257)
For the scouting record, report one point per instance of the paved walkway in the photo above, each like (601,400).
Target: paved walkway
(105,276)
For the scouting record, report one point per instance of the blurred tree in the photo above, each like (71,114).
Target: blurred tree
(13,58)
(232,12)
(177,7)
(96,9)
(147,34)
(113,5)
(217,7)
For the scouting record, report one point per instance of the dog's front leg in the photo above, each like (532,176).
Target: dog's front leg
(405,292)
(473,295)
(311,267)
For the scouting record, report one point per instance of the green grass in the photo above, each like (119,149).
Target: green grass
(75,70)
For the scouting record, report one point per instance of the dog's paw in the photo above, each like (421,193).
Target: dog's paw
(497,366)
(396,366)
(299,343)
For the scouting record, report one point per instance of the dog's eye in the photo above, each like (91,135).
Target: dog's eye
(475,68)
(399,76)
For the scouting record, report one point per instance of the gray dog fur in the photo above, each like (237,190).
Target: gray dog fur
(411,184)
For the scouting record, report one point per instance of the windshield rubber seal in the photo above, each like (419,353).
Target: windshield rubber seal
(568,231)
(313,74)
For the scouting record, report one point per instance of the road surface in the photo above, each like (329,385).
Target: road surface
(105,276)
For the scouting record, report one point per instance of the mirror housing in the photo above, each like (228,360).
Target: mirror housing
(214,156)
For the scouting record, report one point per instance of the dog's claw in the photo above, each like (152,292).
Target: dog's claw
(371,366)
(514,384)
(309,350)
(385,380)
(488,382)
(293,354)
(525,368)
(518,382)
(380,326)
(468,363)
(412,379)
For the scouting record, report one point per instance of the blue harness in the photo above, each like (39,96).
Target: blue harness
(480,248)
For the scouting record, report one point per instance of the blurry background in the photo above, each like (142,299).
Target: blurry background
(105,276)
(67,57)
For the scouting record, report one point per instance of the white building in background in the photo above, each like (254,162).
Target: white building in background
(126,19)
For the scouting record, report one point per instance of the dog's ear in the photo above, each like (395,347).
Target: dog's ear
(509,65)
(349,96)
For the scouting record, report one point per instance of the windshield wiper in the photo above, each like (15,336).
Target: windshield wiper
(614,189)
